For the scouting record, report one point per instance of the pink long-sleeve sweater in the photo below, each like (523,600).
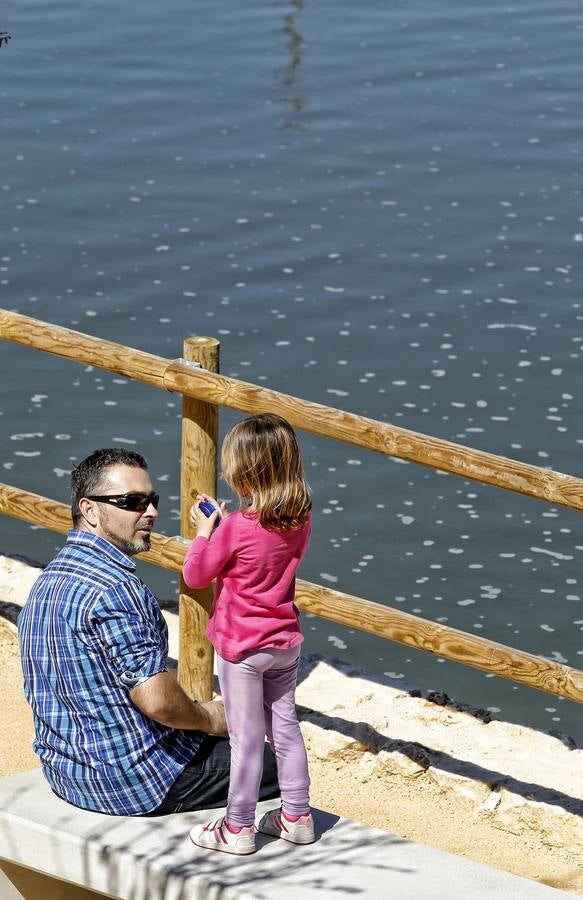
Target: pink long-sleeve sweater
(255,571)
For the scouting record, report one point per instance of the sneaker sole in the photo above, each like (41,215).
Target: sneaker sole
(222,848)
(290,838)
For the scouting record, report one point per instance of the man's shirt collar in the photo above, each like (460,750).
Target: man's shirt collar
(94,542)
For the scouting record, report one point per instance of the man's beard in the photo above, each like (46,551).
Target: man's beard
(137,546)
(129,547)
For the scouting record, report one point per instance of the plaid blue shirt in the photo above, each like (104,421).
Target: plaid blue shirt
(89,632)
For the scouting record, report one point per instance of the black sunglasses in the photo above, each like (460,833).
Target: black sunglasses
(135,502)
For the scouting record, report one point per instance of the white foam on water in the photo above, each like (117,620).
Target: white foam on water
(25,437)
(512,325)
(337,642)
(325,576)
(552,553)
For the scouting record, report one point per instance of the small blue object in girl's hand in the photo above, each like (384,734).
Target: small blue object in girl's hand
(208,509)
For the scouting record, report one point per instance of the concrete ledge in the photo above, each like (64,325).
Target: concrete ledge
(517,780)
(153,859)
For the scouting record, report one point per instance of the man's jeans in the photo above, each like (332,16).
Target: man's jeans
(204,784)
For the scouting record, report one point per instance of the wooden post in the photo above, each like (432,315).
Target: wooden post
(200,432)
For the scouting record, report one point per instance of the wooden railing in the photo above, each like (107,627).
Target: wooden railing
(204,390)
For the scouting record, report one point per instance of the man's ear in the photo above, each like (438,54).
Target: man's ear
(88,511)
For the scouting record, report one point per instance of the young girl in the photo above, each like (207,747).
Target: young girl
(254,626)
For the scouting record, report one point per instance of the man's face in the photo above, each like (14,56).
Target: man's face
(127,530)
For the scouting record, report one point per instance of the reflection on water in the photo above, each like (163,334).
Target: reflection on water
(288,76)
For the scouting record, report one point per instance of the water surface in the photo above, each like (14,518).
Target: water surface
(374,206)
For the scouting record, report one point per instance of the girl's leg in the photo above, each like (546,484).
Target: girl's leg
(282,726)
(242,689)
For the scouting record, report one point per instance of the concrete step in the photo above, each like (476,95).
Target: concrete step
(153,859)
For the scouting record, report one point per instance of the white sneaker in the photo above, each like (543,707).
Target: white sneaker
(276,824)
(216,836)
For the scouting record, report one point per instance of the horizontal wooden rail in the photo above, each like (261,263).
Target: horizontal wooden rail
(344,609)
(166,552)
(381,437)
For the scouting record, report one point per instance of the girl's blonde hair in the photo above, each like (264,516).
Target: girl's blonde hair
(261,461)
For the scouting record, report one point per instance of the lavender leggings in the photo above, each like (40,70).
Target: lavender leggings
(259,696)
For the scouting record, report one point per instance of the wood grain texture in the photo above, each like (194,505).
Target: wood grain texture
(359,431)
(83,348)
(383,437)
(198,474)
(450,643)
(345,609)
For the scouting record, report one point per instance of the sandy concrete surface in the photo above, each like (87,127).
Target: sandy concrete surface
(423,768)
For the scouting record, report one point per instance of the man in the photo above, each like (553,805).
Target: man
(114,731)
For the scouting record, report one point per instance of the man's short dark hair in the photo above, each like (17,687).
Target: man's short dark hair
(87,477)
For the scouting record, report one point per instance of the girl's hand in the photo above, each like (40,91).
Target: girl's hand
(203,524)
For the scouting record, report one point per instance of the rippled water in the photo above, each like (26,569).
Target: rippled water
(375,206)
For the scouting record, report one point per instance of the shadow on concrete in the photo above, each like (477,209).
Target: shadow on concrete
(152,858)
(373,741)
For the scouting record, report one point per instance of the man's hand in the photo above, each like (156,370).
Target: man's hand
(215,710)
(161,698)
(4,37)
